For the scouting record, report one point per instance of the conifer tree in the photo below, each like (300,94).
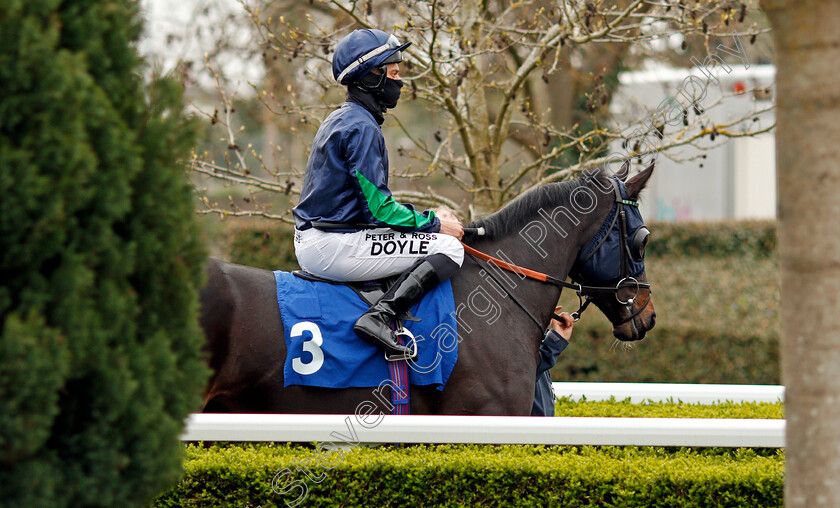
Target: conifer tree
(99,260)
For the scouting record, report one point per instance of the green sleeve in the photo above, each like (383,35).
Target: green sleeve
(385,209)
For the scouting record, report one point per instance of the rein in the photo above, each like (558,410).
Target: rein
(531,274)
(583,292)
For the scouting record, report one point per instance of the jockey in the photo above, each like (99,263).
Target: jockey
(348,227)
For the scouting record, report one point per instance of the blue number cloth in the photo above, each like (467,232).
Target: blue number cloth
(323,350)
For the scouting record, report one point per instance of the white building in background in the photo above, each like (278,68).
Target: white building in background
(737,177)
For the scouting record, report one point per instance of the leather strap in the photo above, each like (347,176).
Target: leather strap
(512,296)
(531,274)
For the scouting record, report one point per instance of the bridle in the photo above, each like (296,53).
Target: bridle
(634,249)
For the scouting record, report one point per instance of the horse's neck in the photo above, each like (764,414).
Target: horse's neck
(536,298)
(548,243)
(552,255)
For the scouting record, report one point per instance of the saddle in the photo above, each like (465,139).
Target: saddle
(323,350)
(370,292)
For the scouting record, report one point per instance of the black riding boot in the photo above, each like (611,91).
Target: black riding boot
(374,325)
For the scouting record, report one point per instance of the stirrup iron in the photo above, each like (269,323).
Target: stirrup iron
(404,332)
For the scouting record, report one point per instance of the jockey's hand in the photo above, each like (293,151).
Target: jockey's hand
(449,223)
(451,227)
(563,326)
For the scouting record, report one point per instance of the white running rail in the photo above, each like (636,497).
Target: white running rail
(340,429)
(660,392)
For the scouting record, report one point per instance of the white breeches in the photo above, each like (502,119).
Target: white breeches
(369,254)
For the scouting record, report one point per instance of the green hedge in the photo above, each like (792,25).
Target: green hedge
(263,244)
(671,409)
(716,296)
(719,239)
(468,475)
(474,475)
(717,322)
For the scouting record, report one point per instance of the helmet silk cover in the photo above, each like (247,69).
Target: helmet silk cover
(363,50)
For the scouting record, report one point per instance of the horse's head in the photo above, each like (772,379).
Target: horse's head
(611,267)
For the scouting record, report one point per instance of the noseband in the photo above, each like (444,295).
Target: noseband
(585,293)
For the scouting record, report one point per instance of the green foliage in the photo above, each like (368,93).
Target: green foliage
(475,475)
(670,409)
(99,261)
(268,245)
(718,239)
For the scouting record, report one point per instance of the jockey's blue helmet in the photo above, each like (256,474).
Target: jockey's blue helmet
(362,50)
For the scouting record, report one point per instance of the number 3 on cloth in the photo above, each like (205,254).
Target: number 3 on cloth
(311,346)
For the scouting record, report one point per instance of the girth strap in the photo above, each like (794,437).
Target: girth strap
(400,398)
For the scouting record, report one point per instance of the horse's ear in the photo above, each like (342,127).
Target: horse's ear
(623,171)
(638,182)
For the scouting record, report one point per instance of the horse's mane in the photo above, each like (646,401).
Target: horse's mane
(518,213)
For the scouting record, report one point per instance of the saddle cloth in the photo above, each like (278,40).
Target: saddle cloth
(323,350)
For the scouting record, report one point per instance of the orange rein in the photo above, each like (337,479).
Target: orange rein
(531,274)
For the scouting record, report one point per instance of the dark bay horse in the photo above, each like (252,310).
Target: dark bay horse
(543,230)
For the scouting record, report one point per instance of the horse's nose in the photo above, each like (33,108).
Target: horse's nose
(652,320)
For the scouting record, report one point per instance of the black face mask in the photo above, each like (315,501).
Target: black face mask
(390,93)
